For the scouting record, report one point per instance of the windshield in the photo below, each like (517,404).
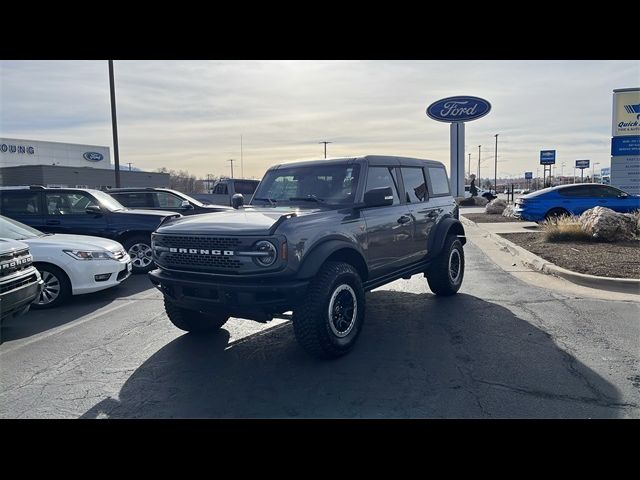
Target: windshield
(187,197)
(16,230)
(313,185)
(107,201)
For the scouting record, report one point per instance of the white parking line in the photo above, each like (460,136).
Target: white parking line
(76,323)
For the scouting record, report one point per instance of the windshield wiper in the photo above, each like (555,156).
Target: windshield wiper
(266,199)
(308,198)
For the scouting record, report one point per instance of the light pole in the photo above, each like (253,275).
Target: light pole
(114,124)
(469,169)
(479,164)
(495,172)
(593,172)
(325,148)
(129,163)
(231,160)
(562,171)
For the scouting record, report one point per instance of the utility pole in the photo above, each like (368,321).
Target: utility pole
(231,160)
(241,160)
(479,164)
(325,148)
(114,124)
(129,163)
(495,172)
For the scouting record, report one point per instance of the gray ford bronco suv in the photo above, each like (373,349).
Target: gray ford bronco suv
(314,238)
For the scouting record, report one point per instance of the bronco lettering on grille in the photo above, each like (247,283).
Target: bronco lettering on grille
(201,251)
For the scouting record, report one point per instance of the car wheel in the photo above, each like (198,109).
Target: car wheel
(56,287)
(192,320)
(329,318)
(556,213)
(139,249)
(446,273)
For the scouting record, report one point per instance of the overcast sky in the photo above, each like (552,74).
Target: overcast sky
(190,114)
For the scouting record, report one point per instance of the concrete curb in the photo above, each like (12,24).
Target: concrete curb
(621,285)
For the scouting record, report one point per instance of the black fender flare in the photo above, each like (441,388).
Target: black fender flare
(445,227)
(318,255)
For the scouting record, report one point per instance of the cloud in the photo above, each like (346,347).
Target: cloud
(190,114)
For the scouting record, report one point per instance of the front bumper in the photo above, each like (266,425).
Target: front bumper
(15,301)
(83,274)
(243,299)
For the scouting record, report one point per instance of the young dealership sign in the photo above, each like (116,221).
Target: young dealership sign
(625,140)
(456,111)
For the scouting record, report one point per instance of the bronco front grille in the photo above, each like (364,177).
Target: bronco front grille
(212,243)
(20,282)
(193,260)
(11,263)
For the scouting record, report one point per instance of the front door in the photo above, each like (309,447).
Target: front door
(66,213)
(389,228)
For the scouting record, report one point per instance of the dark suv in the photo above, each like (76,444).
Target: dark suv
(316,236)
(163,199)
(85,212)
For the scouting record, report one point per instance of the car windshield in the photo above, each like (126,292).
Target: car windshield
(309,186)
(187,197)
(107,201)
(17,231)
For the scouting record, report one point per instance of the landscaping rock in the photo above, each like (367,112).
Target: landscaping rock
(508,211)
(604,224)
(465,202)
(496,206)
(480,201)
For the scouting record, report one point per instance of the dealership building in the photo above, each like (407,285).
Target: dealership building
(55,164)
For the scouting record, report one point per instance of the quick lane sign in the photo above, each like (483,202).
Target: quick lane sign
(625,146)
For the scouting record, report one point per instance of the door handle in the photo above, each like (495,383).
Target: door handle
(52,222)
(404,219)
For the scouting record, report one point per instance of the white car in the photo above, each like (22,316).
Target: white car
(481,193)
(70,264)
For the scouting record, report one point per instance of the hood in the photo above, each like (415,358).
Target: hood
(73,242)
(151,213)
(10,246)
(244,221)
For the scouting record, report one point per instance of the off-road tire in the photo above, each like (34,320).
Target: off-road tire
(439,275)
(192,320)
(312,323)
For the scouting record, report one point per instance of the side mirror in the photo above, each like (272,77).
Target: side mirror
(93,210)
(237,200)
(379,197)
(186,205)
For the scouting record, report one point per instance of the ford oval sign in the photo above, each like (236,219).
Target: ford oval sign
(458,109)
(93,156)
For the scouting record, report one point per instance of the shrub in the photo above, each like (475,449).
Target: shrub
(564,229)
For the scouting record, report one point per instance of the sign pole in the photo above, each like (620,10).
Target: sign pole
(457,159)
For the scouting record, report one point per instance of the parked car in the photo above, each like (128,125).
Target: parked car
(85,212)
(163,199)
(224,189)
(70,264)
(489,195)
(318,235)
(20,282)
(573,199)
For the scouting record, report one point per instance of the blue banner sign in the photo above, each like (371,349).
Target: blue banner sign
(528,175)
(625,146)
(458,109)
(582,163)
(547,157)
(605,172)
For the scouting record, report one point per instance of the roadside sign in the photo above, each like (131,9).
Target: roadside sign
(582,163)
(547,157)
(625,146)
(528,175)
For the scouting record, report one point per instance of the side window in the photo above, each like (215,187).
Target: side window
(67,203)
(579,191)
(168,200)
(134,200)
(381,177)
(415,185)
(246,188)
(221,189)
(439,181)
(607,192)
(20,203)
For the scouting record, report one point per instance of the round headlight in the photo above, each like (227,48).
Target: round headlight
(269,251)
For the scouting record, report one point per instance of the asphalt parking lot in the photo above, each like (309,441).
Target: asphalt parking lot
(501,348)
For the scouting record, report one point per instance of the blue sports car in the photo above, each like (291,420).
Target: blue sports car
(573,200)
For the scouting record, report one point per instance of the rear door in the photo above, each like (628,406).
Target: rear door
(422,212)
(389,228)
(65,212)
(24,206)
